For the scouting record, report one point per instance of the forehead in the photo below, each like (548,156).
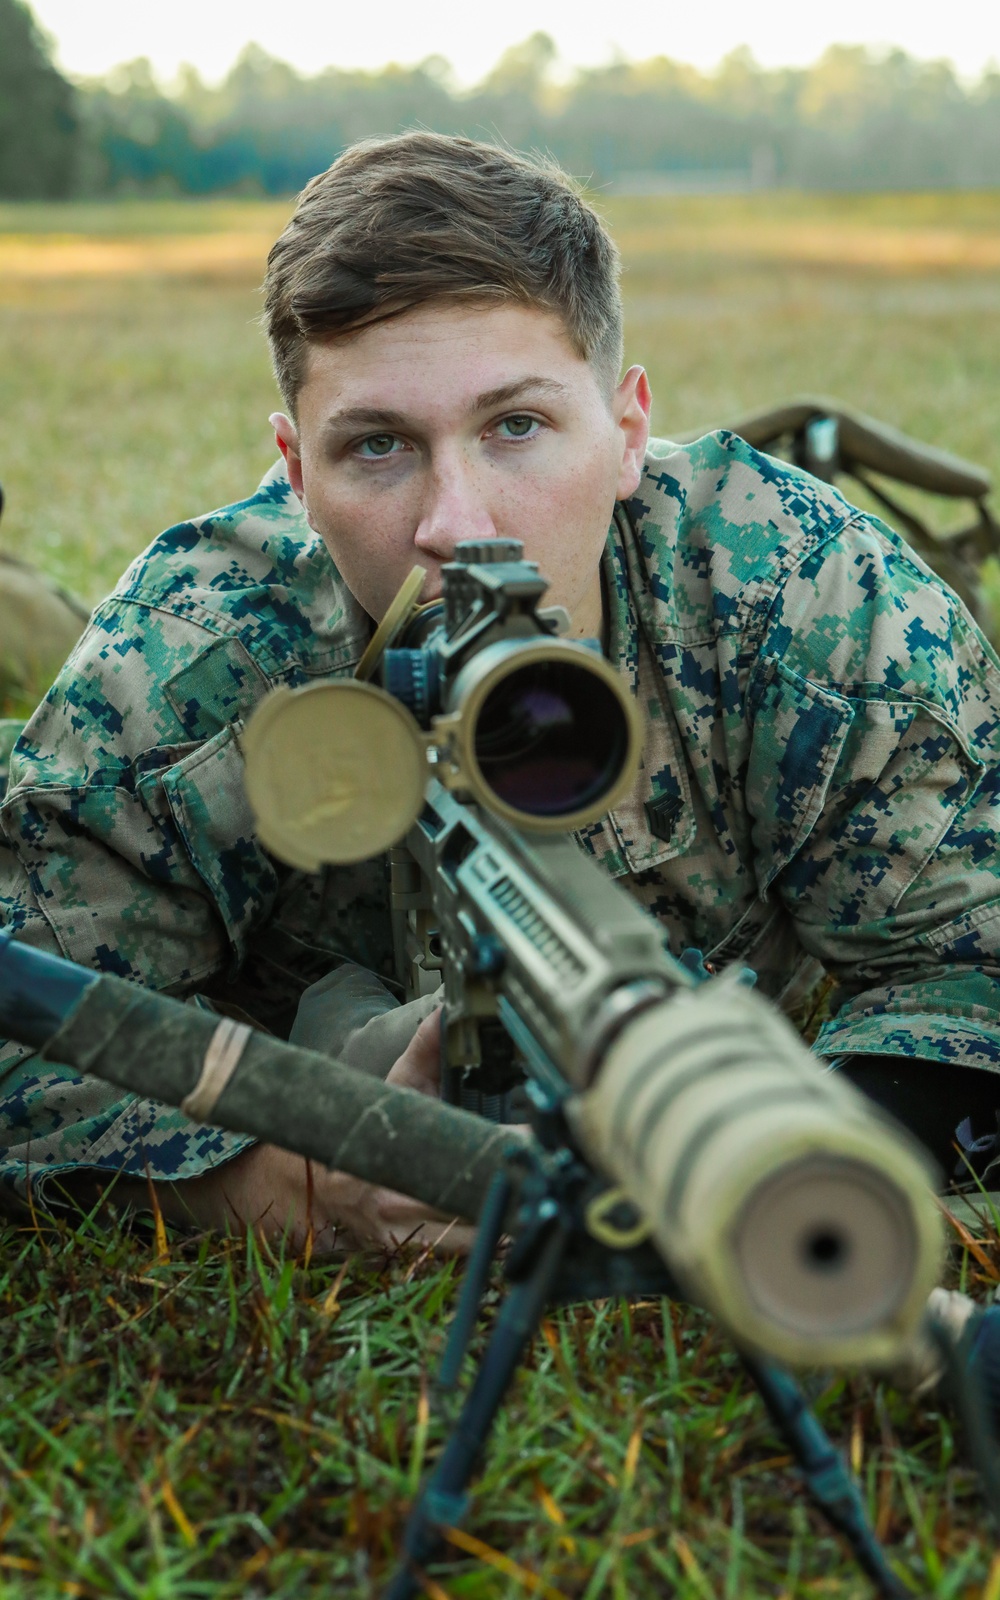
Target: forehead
(443,355)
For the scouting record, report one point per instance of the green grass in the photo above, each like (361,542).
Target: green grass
(216,1420)
(211,1422)
(132,405)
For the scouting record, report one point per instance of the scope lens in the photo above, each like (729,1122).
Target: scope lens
(551,739)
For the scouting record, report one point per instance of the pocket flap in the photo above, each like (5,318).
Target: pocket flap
(799,730)
(207,798)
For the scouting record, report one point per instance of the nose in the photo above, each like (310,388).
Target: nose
(456,508)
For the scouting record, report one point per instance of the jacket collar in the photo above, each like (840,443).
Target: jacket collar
(654,822)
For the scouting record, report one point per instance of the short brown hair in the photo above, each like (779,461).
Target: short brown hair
(396,223)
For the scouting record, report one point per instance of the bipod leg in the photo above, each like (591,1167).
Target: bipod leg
(443,1500)
(972,1381)
(827,1479)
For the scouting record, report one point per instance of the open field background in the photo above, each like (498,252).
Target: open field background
(134,386)
(185,1418)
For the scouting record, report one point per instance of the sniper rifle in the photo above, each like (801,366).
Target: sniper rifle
(686,1143)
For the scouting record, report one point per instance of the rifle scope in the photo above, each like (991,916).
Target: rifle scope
(538,729)
(476,691)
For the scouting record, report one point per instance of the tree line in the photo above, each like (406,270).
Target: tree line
(853,120)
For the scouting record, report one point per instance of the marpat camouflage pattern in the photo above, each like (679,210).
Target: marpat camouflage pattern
(818,786)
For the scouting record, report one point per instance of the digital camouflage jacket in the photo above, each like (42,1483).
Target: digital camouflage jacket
(819,781)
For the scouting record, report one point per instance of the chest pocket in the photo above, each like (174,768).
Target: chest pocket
(888,776)
(221,685)
(207,798)
(799,735)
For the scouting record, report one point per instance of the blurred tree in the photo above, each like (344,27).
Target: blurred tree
(519,102)
(856,119)
(38,121)
(135,139)
(523,68)
(884,122)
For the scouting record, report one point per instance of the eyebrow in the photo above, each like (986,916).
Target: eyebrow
(489,400)
(492,398)
(365,417)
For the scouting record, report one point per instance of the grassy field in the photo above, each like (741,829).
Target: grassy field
(136,387)
(185,1417)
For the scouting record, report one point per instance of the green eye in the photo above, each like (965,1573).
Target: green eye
(378,444)
(518,427)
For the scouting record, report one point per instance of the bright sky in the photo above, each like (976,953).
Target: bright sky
(93,35)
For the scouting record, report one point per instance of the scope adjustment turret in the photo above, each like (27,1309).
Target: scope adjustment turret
(484,552)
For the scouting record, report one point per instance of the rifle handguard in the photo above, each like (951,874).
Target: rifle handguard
(780,1201)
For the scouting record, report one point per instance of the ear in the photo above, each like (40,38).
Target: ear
(630,407)
(287,436)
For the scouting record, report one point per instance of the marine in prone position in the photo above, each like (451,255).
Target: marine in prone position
(822,718)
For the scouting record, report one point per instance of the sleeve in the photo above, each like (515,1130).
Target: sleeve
(126,844)
(129,836)
(872,786)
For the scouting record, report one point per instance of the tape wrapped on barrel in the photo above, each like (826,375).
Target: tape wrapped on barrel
(295,1098)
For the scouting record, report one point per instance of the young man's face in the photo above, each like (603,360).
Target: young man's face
(463,422)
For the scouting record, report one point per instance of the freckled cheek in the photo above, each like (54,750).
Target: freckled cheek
(373,549)
(344,515)
(578,529)
(585,503)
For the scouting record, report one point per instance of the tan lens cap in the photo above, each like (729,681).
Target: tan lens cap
(335,772)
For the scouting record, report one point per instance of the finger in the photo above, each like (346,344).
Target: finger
(403,1220)
(426,1045)
(419,1067)
(401,1209)
(456,1239)
(443,1237)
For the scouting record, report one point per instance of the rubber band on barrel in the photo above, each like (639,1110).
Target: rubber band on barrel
(222,1057)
